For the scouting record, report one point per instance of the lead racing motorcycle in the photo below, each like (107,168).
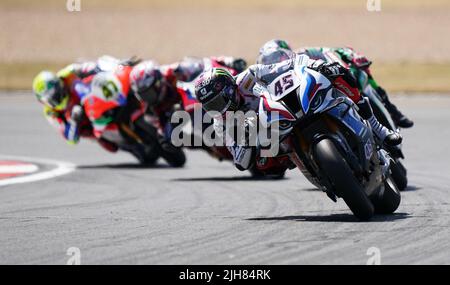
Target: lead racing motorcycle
(324,136)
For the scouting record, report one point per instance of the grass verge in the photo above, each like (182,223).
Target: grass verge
(139,4)
(395,77)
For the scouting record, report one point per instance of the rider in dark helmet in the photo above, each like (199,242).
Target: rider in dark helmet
(218,91)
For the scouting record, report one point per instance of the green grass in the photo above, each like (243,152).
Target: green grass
(19,76)
(416,77)
(395,77)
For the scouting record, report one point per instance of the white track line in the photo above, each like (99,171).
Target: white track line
(21,168)
(62,168)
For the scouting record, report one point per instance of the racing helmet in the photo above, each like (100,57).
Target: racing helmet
(145,81)
(275,44)
(274,55)
(49,90)
(216,89)
(189,68)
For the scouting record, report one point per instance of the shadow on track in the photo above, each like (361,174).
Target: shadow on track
(124,166)
(312,189)
(346,218)
(411,188)
(226,178)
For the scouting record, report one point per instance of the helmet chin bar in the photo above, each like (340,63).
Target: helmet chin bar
(233,106)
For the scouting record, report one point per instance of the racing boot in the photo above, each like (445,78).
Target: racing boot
(400,120)
(385,135)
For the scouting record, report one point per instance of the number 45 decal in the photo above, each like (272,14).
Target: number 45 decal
(283,84)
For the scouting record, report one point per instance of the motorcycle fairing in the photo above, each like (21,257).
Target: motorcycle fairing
(187,94)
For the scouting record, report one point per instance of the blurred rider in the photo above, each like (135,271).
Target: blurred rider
(62,101)
(190,67)
(219,91)
(156,85)
(276,50)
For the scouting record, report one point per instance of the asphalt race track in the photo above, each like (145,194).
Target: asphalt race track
(210,213)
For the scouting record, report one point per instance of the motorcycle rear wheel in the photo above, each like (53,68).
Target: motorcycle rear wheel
(342,178)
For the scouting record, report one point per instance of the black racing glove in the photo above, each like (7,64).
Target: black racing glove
(332,70)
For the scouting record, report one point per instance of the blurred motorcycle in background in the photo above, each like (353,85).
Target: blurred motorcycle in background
(119,118)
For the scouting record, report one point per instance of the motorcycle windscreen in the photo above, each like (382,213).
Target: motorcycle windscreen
(312,83)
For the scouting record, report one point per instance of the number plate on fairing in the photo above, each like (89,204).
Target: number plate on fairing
(283,85)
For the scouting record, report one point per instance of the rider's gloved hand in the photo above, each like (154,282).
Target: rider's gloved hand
(245,132)
(72,129)
(332,70)
(76,115)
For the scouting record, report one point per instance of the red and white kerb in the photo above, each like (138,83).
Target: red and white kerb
(11,168)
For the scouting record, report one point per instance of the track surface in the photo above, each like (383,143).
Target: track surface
(210,213)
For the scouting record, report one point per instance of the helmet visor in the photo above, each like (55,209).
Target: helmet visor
(55,98)
(274,56)
(222,101)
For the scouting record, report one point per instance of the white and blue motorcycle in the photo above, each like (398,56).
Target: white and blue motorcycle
(324,136)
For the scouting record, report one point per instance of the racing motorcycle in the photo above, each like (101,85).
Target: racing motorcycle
(191,105)
(118,117)
(324,136)
(399,172)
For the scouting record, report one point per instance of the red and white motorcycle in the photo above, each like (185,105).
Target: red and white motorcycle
(118,117)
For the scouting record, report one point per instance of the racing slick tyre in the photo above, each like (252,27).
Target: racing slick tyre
(149,159)
(333,165)
(160,146)
(398,173)
(174,156)
(389,199)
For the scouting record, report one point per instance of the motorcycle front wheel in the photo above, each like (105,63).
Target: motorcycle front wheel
(346,186)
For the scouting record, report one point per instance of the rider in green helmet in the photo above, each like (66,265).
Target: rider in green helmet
(358,64)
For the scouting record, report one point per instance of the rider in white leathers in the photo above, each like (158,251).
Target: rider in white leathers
(219,91)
